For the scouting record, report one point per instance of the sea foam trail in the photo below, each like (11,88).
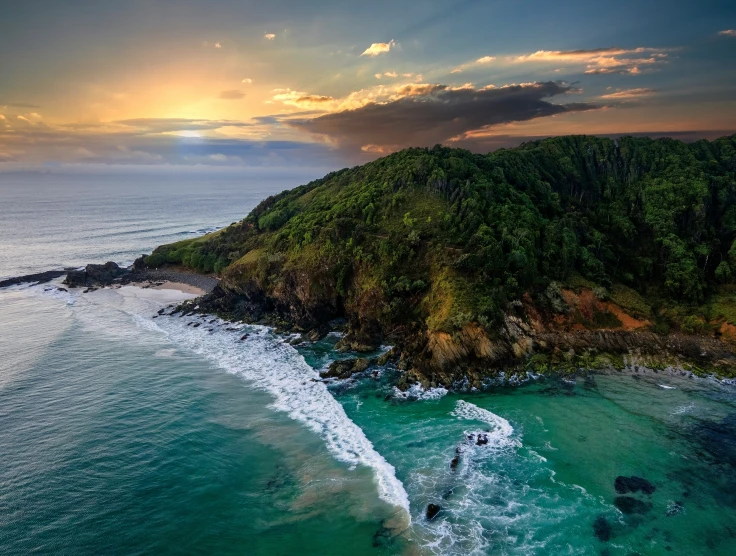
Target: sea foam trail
(281,371)
(501,434)
(495,500)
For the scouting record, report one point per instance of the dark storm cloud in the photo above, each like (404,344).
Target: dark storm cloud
(426,115)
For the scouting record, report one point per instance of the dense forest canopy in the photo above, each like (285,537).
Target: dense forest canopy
(453,236)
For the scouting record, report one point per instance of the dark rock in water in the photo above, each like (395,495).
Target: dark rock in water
(630,505)
(40,278)
(196,324)
(624,485)
(674,508)
(244,337)
(455,462)
(390,355)
(482,440)
(602,529)
(345,368)
(432,511)
(315,335)
(161,311)
(96,275)
(154,317)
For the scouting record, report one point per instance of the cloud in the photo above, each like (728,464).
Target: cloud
(269,36)
(155,142)
(457,70)
(378,48)
(629,94)
(302,99)
(419,89)
(218,45)
(600,61)
(19,105)
(311,99)
(390,74)
(232,94)
(483,60)
(173,125)
(426,114)
(728,32)
(247,80)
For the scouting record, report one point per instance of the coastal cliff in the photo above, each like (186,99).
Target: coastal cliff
(564,253)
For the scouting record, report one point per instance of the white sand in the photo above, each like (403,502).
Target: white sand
(166,293)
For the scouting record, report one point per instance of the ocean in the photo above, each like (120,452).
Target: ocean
(121,433)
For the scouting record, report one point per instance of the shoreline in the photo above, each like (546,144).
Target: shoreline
(170,285)
(176,279)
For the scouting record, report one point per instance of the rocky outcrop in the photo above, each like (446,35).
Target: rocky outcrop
(432,511)
(528,338)
(345,368)
(39,278)
(97,275)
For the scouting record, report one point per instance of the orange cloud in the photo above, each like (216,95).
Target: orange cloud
(600,60)
(630,93)
(378,48)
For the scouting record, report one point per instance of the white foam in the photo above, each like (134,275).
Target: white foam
(280,370)
(417,392)
(666,387)
(53,290)
(502,431)
(684,409)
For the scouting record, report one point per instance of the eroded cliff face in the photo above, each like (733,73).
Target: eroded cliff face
(583,333)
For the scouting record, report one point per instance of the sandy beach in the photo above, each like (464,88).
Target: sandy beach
(169,285)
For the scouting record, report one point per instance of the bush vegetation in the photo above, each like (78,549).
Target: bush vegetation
(452,237)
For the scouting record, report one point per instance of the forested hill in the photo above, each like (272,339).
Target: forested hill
(436,240)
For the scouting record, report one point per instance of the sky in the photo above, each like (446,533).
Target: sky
(282,83)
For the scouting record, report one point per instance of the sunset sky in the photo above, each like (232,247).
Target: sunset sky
(334,83)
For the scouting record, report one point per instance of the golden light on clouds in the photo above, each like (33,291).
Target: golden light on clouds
(378,48)
(236,82)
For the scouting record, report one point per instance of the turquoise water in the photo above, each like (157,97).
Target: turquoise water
(124,434)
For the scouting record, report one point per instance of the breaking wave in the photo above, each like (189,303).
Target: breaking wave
(276,367)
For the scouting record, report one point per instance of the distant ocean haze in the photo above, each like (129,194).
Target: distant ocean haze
(55,220)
